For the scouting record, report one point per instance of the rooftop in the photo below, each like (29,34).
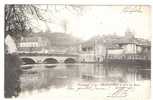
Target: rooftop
(112,41)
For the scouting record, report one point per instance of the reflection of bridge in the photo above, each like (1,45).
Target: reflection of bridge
(30,58)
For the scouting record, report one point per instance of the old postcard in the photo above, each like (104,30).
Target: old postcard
(77,52)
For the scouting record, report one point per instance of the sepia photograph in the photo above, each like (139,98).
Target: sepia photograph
(85,52)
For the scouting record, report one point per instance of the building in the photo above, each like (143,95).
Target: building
(130,45)
(32,44)
(10,45)
(92,50)
(57,43)
(115,47)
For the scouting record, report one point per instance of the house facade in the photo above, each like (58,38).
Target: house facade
(115,47)
(92,51)
(32,44)
(57,43)
(129,45)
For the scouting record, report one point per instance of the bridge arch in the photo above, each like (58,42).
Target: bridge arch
(70,60)
(28,61)
(50,61)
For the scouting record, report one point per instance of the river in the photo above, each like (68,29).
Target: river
(45,76)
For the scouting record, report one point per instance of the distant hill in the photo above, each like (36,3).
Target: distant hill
(60,39)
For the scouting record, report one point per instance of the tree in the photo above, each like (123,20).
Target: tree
(16,25)
(17,22)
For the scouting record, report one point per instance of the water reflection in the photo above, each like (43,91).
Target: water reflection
(60,75)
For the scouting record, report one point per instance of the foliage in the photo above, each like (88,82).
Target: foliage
(17,22)
(18,17)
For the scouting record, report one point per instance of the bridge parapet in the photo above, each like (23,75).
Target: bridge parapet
(47,54)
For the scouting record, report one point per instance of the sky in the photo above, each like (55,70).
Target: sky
(97,20)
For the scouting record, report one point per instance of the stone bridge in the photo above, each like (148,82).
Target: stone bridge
(31,58)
